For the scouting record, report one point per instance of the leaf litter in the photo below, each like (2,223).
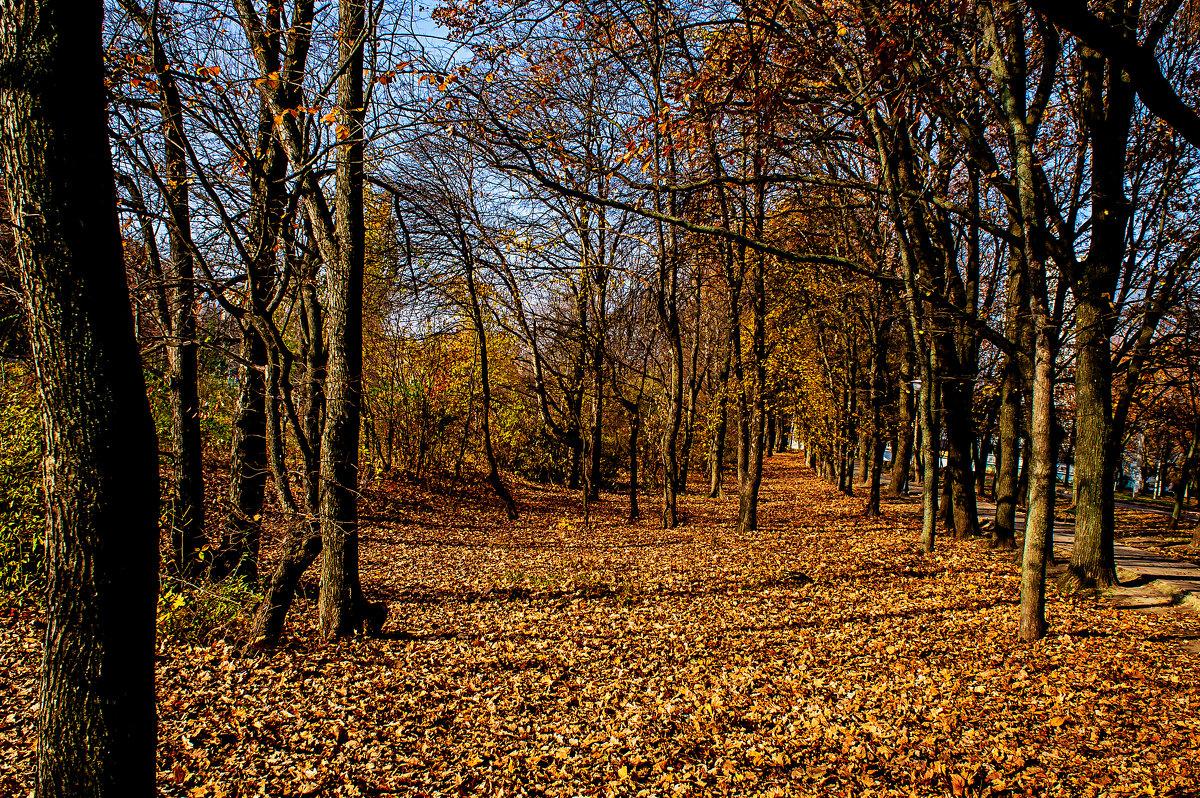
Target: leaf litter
(821,655)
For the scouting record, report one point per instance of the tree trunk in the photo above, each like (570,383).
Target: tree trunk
(1185,476)
(340,600)
(1004,535)
(670,517)
(1092,561)
(302,547)
(903,451)
(750,477)
(878,392)
(635,424)
(596,446)
(238,550)
(96,717)
(769,449)
(957,395)
(1108,103)
(485,382)
(716,457)
(1039,523)
(930,435)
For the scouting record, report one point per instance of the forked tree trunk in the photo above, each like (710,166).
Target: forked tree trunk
(96,716)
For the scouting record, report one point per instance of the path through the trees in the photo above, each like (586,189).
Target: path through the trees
(821,654)
(1148,577)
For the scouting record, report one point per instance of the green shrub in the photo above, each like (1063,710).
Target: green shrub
(195,614)
(22,513)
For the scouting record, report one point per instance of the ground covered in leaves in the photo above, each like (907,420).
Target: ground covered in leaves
(821,655)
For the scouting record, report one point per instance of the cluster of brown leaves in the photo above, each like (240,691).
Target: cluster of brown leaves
(822,655)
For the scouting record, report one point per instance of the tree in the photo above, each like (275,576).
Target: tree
(186,503)
(96,723)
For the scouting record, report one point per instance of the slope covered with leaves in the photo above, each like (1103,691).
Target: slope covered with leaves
(822,655)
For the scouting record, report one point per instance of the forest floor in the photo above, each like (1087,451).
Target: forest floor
(821,655)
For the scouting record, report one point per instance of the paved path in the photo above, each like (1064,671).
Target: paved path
(1179,580)
(1144,574)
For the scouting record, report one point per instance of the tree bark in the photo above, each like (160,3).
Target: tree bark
(903,451)
(1039,521)
(96,718)
(238,550)
(341,605)
(751,442)
(1108,103)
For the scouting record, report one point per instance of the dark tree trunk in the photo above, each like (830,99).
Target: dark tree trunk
(957,397)
(670,517)
(1108,103)
(96,717)
(878,384)
(693,393)
(1185,476)
(903,451)
(238,550)
(1004,530)
(635,424)
(302,547)
(716,462)
(1008,454)
(750,445)
(342,607)
(596,445)
(716,457)
(240,540)
(930,436)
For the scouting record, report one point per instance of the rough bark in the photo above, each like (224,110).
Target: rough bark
(341,606)
(1039,523)
(1108,101)
(96,716)
(237,553)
